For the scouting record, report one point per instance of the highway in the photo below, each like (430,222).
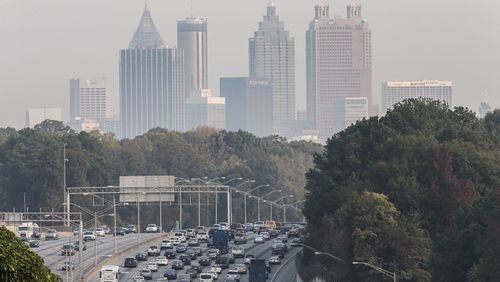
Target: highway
(50,251)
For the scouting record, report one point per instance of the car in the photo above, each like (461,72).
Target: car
(67,250)
(204,261)
(170,254)
(170,274)
(186,259)
(210,242)
(33,243)
(100,232)
(258,225)
(152,266)
(138,278)
(175,241)
(190,232)
(224,225)
(161,260)
(238,251)
(146,273)
(180,236)
(213,253)
(274,260)
(141,256)
(166,244)
(265,235)
(120,231)
(216,268)
(249,226)
(131,229)
(233,274)
(181,248)
(231,258)
(177,264)
(67,265)
(153,251)
(130,262)
(249,258)
(258,239)
(274,233)
(240,238)
(152,228)
(185,277)
(216,226)
(51,235)
(214,274)
(278,250)
(206,277)
(193,242)
(199,229)
(242,269)
(76,231)
(198,251)
(192,272)
(223,261)
(106,229)
(282,238)
(89,236)
(202,236)
(76,246)
(192,254)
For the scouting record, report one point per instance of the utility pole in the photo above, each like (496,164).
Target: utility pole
(199,206)
(161,215)
(245,207)
(216,203)
(138,219)
(95,241)
(258,208)
(180,208)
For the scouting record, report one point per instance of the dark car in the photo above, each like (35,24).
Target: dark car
(204,261)
(192,254)
(198,251)
(130,262)
(142,256)
(223,261)
(170,254)
(181,248)
(170,274)
(34,243)
(186,259)
(67,250)
(178,264)
(231,258)
(210,242)
(131,229)
(76,246)
(192,272)
(120,231)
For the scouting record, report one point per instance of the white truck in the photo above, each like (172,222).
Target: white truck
(109,273)
(28,230)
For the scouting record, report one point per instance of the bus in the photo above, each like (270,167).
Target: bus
(271,224)
(109,273)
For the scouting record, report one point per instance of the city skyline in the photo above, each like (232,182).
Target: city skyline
(431,61)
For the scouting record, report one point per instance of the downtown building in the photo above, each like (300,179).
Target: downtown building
(249,104)
(272,57)
(36,116)
(394,92)
(151,83)
(205,110)
(91,104)
(339,71)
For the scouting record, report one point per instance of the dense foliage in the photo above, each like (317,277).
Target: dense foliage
(31,162)
(415,192)
(19,263)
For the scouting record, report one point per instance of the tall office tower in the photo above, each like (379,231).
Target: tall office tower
(35,116)
(484,109)
(192,39)
(394,92)
(205,110)
(349,110)
(339,64)
(249,104)
(151,83)
(90,98)
(272,56)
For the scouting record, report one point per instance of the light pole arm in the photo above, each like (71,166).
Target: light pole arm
(381,270)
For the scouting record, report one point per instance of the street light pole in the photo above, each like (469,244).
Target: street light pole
(180,209)
(95,241)
(216,204)
(245,221)
(114,212)
(199,206)
(258,209)
(161,215)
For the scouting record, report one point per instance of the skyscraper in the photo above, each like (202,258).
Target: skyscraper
(339,65)
(192,39)
(90,98)
(394,92)
(35,116)
(272,56)
(205,110)
(151,83)
(249,104)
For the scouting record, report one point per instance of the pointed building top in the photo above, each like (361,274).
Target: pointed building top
(146,35)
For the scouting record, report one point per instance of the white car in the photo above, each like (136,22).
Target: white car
(258,239)
(216,268)
(199,229)
(214,274)
(233,274)
(224,225)
(180,236)
(238,251)
(249,258)
(100,232)
(205,277)
(153,251)
(266,235)
(202,236)
(151,228)
(175,241)
(166,244)
(89,236)
(163,261)
(152,266)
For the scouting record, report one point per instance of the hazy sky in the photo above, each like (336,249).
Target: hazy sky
(43,43)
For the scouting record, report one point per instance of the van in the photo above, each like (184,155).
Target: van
(206,277)
(109,273)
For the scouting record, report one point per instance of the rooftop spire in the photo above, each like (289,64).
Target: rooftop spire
(146,35)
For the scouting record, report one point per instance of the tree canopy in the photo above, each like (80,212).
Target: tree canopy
(412,192)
